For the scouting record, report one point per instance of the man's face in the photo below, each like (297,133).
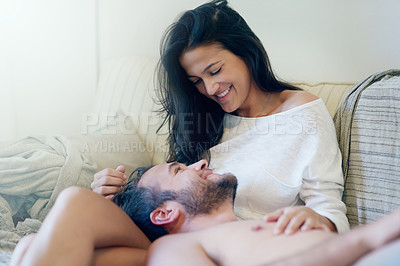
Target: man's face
(197,188)
(175,176)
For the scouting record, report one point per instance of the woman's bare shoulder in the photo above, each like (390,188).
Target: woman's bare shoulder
(292,99)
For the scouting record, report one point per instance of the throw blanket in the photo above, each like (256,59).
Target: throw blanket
(367,125)
(33,171)
(344,115)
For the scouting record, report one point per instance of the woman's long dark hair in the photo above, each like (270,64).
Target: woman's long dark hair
(195,122)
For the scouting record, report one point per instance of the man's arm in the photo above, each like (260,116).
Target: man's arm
(79,222)
(119,256)
(116,256)
(339,250)
(346,249)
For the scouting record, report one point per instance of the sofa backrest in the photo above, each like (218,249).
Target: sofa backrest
(331,93)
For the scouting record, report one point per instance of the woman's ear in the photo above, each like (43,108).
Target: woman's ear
(165,214)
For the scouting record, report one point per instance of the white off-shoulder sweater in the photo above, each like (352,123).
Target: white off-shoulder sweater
(286,159)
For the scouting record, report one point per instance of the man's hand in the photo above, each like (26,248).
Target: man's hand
(109,181)
(292,219)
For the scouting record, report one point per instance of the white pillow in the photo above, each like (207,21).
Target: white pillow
(127,83)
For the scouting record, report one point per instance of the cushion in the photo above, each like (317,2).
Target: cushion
(127,84)
(115,143)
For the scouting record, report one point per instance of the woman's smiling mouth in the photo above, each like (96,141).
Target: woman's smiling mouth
(224,93)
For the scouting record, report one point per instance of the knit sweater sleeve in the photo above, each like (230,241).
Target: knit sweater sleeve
(323,181)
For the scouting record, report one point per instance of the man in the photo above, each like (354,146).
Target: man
(201,203)
(195,206)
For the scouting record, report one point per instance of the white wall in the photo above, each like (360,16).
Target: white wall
(307,40)
(134,26)
(317,40)
(47,65)
(51,50)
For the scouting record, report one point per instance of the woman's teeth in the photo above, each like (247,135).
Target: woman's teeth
(224,93)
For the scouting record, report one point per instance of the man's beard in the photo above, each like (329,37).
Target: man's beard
(203,198)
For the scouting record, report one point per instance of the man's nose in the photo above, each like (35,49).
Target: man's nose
(200,165)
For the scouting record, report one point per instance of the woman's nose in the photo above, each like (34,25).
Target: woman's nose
(200,165)
(210,86)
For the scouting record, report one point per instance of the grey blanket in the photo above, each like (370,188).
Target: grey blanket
(345,113)
(33,171)
(367,124)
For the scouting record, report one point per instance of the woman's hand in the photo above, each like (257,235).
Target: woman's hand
(292,219)
(109,181)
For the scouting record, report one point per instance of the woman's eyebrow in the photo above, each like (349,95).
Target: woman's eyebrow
(205,70)
(209,66)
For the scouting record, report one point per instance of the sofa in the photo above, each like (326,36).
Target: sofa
(122,127)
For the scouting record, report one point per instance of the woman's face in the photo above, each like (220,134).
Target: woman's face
(221,76)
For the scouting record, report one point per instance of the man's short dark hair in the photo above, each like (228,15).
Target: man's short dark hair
(139,202)
(199,198)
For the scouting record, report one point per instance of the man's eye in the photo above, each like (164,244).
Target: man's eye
(216,72)
(178,169)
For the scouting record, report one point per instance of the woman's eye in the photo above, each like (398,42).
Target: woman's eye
(216,72)
(195,82)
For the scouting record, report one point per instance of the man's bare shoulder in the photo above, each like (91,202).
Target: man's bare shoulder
(178,249)
(200,247)
(173,240)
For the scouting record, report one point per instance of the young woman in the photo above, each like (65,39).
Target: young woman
(222,102)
